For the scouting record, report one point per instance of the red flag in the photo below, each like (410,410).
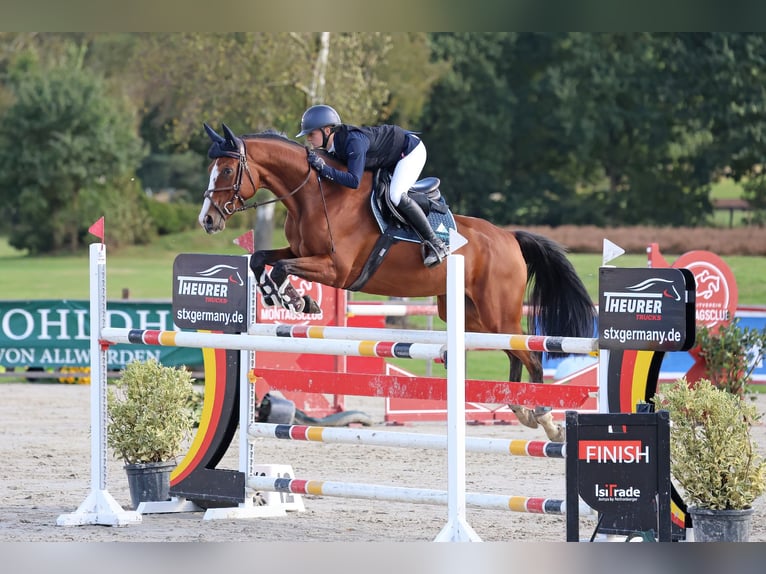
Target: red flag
(97,229)
(246,241)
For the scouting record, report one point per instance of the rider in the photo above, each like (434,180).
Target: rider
(370,147)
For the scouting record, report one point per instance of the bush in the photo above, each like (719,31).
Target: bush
(731,353)
(635,239)
(65,135)
(712,455)
(148,412)
(173,217)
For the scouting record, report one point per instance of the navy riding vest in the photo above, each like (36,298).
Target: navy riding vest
(387,144)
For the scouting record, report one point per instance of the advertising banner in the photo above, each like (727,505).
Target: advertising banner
(646,309)
(210,292)
(52,334)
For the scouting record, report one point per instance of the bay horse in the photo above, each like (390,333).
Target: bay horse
(331,232)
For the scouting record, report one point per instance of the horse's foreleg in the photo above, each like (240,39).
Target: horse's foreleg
(287,295)
(266,286)
(316,269)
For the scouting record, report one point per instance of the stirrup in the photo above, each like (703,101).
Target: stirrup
(435,255)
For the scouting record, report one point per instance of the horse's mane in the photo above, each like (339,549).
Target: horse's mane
(273,135)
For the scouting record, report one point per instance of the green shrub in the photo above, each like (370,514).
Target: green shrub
(148,412)
(173,217)
(712,455)
(731,353)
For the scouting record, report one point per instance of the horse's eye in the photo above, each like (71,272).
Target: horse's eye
(227,171)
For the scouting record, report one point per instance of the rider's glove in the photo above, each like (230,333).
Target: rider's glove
(316,162)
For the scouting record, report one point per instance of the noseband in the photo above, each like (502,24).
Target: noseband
(229,208)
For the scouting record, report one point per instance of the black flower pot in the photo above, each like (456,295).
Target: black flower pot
(149,481)
(720,525)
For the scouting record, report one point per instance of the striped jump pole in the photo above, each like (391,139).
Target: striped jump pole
(372,309)
(408,494)
(516,447)
(352,348)
(485,341)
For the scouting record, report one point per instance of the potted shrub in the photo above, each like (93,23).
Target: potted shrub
(149,422)
(730,353)
(713,457)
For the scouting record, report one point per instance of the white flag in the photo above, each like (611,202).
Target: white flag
(456,241)
(611,251)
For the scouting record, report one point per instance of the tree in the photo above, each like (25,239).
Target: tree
(726,76)
(593,128)
(67,148)
(255,81)
(466,125)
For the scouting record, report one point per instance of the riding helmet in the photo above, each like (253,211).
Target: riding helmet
(317,117)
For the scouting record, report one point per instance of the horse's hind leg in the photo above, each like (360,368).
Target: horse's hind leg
(553,430)
(541,416)
(525,415)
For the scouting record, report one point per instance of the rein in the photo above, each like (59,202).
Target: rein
(228,208)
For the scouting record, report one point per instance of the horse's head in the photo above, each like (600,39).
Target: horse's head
(224,195)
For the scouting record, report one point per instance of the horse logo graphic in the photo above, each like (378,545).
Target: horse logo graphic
(708,284)
(715,290)
(654,285)
(216,269)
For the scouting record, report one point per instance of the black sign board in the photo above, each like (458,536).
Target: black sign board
(210,292)
(646,309)
(619,464)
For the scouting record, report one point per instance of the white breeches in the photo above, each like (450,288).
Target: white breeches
(406,172)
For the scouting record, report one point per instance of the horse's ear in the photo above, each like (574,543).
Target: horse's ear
(230,137)
(213,135)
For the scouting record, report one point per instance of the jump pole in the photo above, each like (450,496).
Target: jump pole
(532,505)
(99,507)
(333,435)
(355,348)
(473,340)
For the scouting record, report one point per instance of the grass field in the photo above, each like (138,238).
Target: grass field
(146,271)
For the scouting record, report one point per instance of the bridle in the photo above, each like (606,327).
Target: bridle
(229,208)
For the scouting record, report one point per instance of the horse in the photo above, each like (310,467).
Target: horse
(331,232)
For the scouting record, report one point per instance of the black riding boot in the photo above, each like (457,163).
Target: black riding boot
(417,219)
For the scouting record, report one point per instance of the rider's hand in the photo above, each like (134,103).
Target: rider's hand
(316,162)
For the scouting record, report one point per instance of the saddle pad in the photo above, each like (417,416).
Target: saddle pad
(441,223)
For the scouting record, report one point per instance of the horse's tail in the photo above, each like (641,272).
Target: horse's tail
(559,303)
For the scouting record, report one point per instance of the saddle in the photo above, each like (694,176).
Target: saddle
(425,192)
(393,226)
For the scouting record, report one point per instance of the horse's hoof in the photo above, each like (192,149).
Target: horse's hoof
(310,306)
(560,435)
(525,416)
(557,434)
(554,431)
(268,301)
